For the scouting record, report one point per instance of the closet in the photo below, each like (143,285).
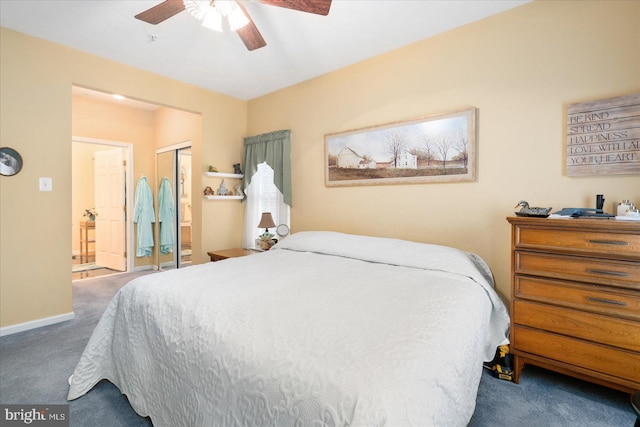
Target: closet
(173,206)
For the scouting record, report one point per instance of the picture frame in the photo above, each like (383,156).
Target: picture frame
(10,161)
(433,149)
(603,137)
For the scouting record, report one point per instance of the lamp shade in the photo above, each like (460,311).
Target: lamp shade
(266,221)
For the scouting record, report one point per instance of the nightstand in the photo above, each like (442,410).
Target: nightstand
(230,253)
(87,238)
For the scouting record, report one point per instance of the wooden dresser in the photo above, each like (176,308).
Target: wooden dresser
(230,253)
(575,298)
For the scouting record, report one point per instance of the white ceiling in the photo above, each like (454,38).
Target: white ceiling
(300,46)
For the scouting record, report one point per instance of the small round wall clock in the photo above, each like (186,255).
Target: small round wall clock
(10,161)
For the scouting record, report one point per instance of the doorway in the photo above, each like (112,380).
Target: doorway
(101,174)
(174,172)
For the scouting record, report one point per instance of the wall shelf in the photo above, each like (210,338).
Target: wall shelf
(223,197)
(224,175)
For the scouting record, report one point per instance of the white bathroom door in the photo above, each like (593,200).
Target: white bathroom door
(109,189)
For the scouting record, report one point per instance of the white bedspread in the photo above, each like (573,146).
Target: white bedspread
(326,329)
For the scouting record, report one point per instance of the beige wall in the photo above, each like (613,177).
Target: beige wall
(520,69)
(36,77)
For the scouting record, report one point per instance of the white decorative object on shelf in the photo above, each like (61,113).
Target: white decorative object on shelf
(222,190)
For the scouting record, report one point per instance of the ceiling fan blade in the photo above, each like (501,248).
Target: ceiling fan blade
(249,34)
(318,7)
(161,12)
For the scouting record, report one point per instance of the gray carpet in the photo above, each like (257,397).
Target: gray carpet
(35,366)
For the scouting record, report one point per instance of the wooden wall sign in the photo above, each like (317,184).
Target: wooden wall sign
(603,137)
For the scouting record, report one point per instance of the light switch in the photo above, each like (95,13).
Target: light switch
(46,184)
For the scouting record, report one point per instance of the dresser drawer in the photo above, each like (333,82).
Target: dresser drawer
(623,303)
(618,363)
(597,328)
(587,242)
(593,270)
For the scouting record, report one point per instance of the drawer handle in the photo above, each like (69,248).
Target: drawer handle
(609,242)
(608,273)
(607,301)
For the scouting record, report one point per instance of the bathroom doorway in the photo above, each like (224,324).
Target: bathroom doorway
(174,172)
(101,230)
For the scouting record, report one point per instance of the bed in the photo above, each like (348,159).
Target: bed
(325,329)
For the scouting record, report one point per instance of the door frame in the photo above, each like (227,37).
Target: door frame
(128,155)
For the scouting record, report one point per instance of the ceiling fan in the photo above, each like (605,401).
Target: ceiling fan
(212,12)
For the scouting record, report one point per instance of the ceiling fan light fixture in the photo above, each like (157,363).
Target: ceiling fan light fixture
(237,19)
(212,13)
(212,20)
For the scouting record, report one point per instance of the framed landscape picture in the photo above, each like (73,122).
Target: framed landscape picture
(438,148)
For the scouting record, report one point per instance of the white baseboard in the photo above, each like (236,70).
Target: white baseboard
(33,324)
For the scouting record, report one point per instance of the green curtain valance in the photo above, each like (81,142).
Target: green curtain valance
(274,148)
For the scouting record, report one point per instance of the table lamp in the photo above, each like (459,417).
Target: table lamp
(266,239)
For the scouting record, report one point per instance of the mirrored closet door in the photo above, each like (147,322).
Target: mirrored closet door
(173,206)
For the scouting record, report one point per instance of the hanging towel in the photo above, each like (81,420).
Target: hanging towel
(166,217)
(144,215)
